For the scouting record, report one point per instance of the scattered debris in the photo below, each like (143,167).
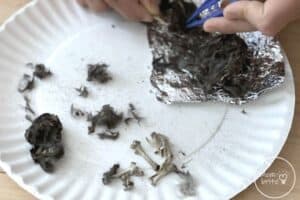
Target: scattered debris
(30,65)
(45,134)
(28,107)
(106,117)
(41,71)
(184,165)
(26,83)
(76,112)
(244,112)
(128,120)
(133,115)
(124,176)
(83,91)
(182,153)
(187,186)
(28,118)
(109,175)
(112,135)
(98,72)
(29,112)
(138,149)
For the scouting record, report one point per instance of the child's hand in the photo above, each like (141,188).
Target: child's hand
(269,16)
(137,10)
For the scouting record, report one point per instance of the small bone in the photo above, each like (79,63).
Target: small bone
(161,144)
(138,149)
(163,171)
(133,170)
(127,183)
(109,175)
(125,176)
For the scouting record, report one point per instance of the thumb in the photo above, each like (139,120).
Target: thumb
(251,11)
(152,6)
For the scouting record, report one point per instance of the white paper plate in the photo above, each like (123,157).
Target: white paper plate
(66,38)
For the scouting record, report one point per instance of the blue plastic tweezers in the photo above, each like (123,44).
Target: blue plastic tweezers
(212,8)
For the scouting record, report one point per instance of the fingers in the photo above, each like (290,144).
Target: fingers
(131,9)
(251,11)
(227,26)
(97,5)
(247,15)
(136,10)
(262,15)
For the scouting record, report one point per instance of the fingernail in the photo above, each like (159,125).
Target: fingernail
(207,27)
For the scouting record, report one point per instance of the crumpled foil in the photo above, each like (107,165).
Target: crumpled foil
(265,71)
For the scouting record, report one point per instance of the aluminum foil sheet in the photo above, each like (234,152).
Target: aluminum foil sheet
(186,67)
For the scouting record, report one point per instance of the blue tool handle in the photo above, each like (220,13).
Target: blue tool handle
(193,22)
(217,13)
(205,5)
